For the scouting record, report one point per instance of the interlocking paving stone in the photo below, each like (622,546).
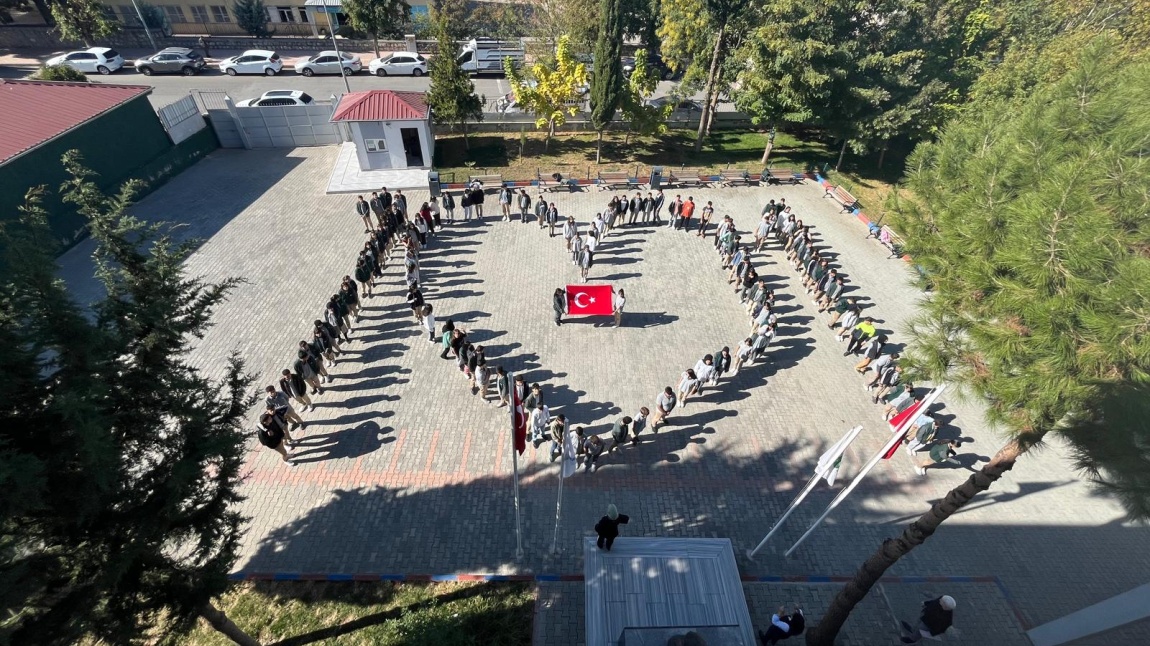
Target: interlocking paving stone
(404,471)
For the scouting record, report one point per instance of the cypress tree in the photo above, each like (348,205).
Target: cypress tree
(607,80)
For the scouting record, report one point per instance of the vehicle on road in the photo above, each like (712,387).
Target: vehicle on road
(399,64)
(684,108)
(653,62)
(93,59)
(277,98)
(329,62)
(173,60)
(485,56)
(253,61)
(507,103)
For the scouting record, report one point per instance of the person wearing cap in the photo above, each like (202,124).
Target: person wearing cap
(936,618)
(608,527)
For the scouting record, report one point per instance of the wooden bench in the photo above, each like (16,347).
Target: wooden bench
(842,196)
(734,178)
(889,239)
(674,180)
(616,180)
(549,183)
(780,175)
(488,181)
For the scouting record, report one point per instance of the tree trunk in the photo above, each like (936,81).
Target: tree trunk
(220,622)
(712,76)
(714,108)
(767,151)
(375,41)
(550,133)
(842,151)
(598,147)
(463,127)
(882,154)
(915,534)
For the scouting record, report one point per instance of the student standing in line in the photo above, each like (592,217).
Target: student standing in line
(364,211)
(743,354)
(552,219)
(376,205)
(295,387)
(569,231)
(722,363)
(618,300)
(656,206)
(482,379)
(281,406)
(415,302)
(559,304)
(429,323)
(466,203)
(705,219)
(540,416)
(619,431)
(645,207)
(585,260)
(664,404)
(306,370)
(505,195)
(273,435)
(704,371)
(449,206)
(557,429)
(315,358)
(638,423)
(363,273)
(593,448)
(446,335)
(675,209)
(400,201)
(685,213)
(576,248)
(502,387)
(636,207)
(524,202)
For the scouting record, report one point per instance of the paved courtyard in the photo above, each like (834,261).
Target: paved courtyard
(403,471)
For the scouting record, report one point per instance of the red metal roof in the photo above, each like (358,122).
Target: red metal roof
(381,105)
(37,111)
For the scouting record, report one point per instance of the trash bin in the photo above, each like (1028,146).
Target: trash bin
(433,183)
(656,177)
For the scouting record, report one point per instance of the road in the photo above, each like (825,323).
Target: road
(169,88)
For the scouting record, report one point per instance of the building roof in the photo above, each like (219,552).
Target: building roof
(36,112)
(381,105)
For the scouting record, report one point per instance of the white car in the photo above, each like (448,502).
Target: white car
(253,61)
(329,63)
(399,64)
(94,59)
(277,98)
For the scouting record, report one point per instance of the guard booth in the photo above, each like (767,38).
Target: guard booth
(390,130)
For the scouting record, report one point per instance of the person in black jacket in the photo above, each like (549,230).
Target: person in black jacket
(608,527)
(295,387)
(272,432)
(559,304)
(936,618)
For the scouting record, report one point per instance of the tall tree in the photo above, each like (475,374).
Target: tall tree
(1030,225)
(376,17)
(642,118)
(59,73)
(454,14)
(123,513)
(252,17)
(84,20)
(452,93)
(576,19)
(554,90)
(607,81)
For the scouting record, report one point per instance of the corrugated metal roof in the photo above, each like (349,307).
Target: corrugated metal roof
(37,111)
(381,105)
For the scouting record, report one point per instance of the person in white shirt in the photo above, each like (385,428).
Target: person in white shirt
(569,231)
(705,371)
(540,416)
(743,354)
(617,302)
(688,385)
(664,404)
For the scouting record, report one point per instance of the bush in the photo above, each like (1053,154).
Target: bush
(58,73)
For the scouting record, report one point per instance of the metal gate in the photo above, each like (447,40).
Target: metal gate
(269,127)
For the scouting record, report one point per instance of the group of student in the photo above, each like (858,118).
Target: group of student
(320,348)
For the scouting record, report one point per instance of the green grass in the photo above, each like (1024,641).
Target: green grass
(376,614)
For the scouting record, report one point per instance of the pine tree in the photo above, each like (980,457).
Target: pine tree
(1029,223)
(607,80)
(121,463)
(252,17)
(451,94)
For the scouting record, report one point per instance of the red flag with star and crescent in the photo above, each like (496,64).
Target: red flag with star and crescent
(590,300)
(518,419)
(910,413)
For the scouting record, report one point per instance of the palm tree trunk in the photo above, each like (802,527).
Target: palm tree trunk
(227,627)
(712,77)
(842,151)
(915,534)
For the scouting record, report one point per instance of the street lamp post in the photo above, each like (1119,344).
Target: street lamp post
(144,24)
(335,46)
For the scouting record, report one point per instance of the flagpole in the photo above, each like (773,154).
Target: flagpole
(896,437)
(810,486)
(515,468)
(558,511)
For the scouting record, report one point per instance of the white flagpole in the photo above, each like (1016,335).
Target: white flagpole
(515,467)
(558,511)
(896,437)
(810,486)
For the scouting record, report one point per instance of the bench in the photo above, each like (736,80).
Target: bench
(842,196)
(616,180)
(734,178)
(488,181)
(548,183)
(888,238)
(698,180)
(780,175)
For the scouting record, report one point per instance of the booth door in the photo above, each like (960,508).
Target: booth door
(411,146)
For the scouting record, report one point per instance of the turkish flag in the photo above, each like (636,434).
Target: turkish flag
(590,300)
(896,422)
(518,420)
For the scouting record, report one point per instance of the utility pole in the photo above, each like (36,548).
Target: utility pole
(144,24)
(335,46)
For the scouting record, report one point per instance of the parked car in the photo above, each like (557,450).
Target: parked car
(399,64)
(93,59)
(684,108)
(329,62)
(253,61)
(653,62)
(173,60)
(277,98)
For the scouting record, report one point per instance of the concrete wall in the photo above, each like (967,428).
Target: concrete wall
(40,37)
(516,121)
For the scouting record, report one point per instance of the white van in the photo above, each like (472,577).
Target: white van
(485,56)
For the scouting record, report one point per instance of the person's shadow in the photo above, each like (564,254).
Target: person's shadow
(352,442)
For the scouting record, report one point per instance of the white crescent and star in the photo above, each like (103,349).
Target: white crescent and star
(575,299)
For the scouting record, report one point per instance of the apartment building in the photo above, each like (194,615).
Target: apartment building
(216,17)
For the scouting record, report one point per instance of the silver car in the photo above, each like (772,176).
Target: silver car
(329,62)
(173,60)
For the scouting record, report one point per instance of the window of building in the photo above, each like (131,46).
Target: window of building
(303,15)
(128,15)
(220,13)
(375,145)
(286,14)
(175,14)
(199,13)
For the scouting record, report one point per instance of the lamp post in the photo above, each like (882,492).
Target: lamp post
(335,46)
(770,144)
(144,24)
